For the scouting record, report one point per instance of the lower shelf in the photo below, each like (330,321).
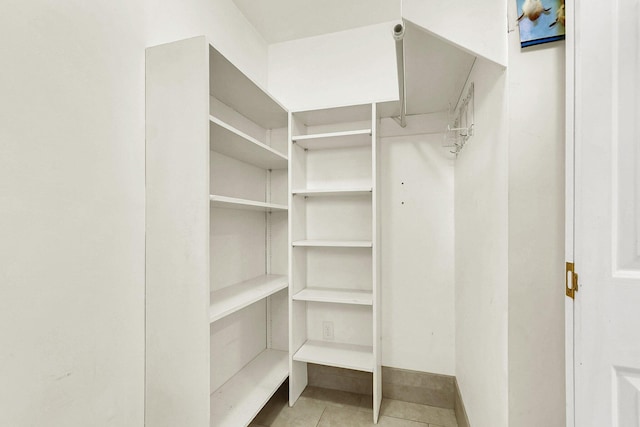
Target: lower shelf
(349,356)
(359,191)
(235,297)
(244,204)
(334,243)
(240,399)
(337,296)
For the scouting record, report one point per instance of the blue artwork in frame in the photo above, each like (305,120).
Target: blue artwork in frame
(540,21)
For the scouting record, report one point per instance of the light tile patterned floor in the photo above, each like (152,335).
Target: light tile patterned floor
(318,407)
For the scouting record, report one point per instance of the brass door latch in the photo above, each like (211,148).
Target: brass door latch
(570,291)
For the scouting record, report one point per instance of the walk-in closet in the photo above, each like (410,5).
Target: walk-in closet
(295,229)
(318,213)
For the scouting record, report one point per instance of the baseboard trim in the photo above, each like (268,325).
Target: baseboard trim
(418,387)
(398,384)
(461,412)
(340,379)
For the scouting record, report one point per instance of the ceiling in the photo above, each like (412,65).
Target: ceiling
(282,20)
(435,73)
(435,70)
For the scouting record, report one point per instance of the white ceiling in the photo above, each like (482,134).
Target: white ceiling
(282,20)
(435,70)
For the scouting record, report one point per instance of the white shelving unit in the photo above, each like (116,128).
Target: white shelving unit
(217,240)
(334,251)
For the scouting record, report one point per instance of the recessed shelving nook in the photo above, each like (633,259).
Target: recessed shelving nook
(334,250)
(217,239)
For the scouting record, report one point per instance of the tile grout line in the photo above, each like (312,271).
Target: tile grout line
(407,419)
(320,419)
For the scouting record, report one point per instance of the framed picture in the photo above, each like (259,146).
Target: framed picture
(540,21)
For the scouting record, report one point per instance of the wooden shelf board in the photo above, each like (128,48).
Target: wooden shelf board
(226,139)
(338,296)
(334,243)
(235,297)
(327,192)
(240,399)
(319,141)
(244,204)
(347,356)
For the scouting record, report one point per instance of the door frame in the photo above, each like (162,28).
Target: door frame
(572,78)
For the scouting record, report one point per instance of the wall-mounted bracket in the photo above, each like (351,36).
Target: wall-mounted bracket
(457,134)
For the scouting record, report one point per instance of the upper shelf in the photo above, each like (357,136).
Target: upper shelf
(244,204)
(228,140)
(230,86)
(327,192)
(328,116)
(349,138)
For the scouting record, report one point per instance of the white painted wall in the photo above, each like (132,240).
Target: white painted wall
(481,227)
(344,68)
(536,233)
(72,199)
(476,26)
(72,214)
(220,20)
(418,325)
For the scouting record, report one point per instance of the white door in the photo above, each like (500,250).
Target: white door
(607,212)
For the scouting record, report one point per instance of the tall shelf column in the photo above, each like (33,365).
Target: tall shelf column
(217,237)
(334,250)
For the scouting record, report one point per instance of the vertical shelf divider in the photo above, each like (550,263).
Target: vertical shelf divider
(377,324)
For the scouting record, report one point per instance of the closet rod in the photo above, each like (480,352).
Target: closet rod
(398,35)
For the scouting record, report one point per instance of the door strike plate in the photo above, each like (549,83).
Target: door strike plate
(570,291)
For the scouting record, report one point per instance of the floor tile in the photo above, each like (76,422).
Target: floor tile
(416,412)
(305,413)
(346,417)
(319,407)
